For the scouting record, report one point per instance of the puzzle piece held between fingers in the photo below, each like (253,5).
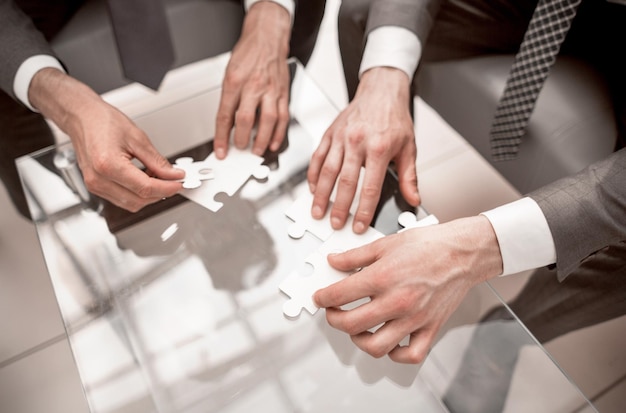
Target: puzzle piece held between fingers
(301,288)
(230,174)
(195,172)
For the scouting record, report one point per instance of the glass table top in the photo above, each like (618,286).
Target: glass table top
(177,308)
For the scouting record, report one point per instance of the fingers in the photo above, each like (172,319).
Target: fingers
(370,193)
(225,119)
(420,342)
(280,131)
(250,100)
(327,170)
(354,287)
(378,333)
(245,119)
(407,174)
(128,187)
(346,189)
(273,122)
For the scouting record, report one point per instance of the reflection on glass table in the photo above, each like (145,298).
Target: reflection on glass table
(177,309)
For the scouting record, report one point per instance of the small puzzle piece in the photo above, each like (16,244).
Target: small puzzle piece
(195,172)
(408,220)
(230,174)
(300,213)
(301,288)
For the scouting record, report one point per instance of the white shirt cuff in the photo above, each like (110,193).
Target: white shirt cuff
(392,46)
(27,71)
(523,235)
(289,5)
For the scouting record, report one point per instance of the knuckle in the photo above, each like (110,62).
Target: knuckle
(233,78)
(244,118)
(379,148)
(329,171)
(374,349)
(100,164)
(369,191)
(144,192)
(270,115)
(224,118)
(91,180)
(416,357)
(356,137)
(347,180)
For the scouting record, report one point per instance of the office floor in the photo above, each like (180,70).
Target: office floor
(37,372)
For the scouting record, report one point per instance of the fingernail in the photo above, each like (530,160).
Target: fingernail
(335,223)
(220,152)
(359,227)
(257,151)
(311,187)
(317,212)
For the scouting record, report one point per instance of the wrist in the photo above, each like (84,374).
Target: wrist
(479,246)
(386,82)
(60,97)
(269,19)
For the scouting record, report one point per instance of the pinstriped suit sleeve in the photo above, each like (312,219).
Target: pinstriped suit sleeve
(19,40)
(417,16)
(586,212)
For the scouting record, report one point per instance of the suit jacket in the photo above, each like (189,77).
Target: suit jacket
(586,212)
(20,40)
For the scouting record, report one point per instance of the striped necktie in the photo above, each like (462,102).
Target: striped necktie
(143,40)
(547,28)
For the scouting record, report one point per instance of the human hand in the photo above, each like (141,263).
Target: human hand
(375,129)
(106,142)
(256,81)
(415,280)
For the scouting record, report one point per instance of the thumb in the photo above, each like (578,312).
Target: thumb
(158,165)
(352,259)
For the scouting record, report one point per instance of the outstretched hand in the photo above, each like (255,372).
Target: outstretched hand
(415,280)
(375,129)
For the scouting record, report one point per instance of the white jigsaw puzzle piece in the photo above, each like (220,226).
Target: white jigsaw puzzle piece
(408,220)
(229,174)
(300,213)
(195,172)
(301,288)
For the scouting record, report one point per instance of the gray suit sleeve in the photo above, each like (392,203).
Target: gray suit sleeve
(19,40)
(415,15)
(586,212)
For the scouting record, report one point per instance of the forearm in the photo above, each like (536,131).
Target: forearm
(61,98)
(474,249)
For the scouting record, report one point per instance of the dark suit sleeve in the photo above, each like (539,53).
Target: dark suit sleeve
(19,40)
(415,15)
(586,212)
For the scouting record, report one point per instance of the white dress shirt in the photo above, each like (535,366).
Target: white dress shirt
(521,228)
(26,72)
